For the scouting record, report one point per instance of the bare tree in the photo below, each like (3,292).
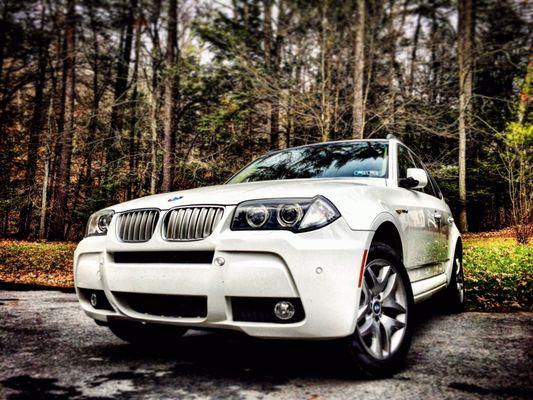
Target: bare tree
(169,97)
(120,88)
(35,132)
(63,177)
(518,161)
(358,119)
(465,39)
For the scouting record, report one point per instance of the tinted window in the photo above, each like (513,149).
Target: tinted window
(438,193)
(431,188)
(404,161)
(332,160)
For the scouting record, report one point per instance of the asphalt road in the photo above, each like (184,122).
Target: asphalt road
(49,349)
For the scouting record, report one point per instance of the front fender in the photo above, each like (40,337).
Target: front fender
(384,217)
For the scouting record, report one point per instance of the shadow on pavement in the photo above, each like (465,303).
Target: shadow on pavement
(235,356)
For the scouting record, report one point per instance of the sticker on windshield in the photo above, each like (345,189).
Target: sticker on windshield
(367,173)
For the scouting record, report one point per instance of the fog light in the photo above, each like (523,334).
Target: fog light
(284,310)
(94,299)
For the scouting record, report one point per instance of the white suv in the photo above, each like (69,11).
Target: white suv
(333,240)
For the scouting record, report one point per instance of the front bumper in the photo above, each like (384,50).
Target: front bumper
(321,268)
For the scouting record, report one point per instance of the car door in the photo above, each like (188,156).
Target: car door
(439,214)
(417,217)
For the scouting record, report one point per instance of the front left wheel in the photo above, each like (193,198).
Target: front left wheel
(383,332)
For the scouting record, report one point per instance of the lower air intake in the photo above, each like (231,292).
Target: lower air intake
(163,305)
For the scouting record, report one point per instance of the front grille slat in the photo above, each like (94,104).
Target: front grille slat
(121,226)
(209,222)
(179,221)
(191,223)
(218,217)
(148,227)
(201,222)
(194,222)
(142,226)
(154,220)
(137,226)
(185,225)
(126,218)
(172,220)
(131,224)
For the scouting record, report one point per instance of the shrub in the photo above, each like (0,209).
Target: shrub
(498,274)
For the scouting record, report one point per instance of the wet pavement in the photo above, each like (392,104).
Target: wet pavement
(50,349)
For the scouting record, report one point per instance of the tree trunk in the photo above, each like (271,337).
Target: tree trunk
(134,107)
(95,107)
(271,57)
(326,46)
(154,98)
(433,64)
(358,109)
(46,177)
(34,140)
(169,97)
(413,54)
(120,89)
(153,142)
(3,24)
(63,177)
(465,38)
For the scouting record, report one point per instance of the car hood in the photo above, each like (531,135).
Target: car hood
(231,194)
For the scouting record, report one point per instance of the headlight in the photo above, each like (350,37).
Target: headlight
(296,215)
(99,223)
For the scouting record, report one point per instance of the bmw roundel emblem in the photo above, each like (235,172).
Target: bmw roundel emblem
(175,198)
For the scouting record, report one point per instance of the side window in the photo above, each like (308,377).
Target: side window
(418,164)
(431,188)
(404,161)
(435,186)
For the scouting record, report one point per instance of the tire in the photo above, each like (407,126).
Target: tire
(145,334)
(384,327)
(453,298)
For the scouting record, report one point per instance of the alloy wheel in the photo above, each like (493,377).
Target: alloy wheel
(382,314)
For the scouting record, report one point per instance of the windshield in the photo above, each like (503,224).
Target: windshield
(332,160)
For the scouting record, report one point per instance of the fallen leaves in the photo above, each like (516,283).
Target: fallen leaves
(498,273)
(37,263)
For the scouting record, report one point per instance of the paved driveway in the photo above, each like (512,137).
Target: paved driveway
(49,349)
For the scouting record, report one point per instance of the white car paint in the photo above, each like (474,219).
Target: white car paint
(321,267)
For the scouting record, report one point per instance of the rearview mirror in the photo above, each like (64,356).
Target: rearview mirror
(416,179)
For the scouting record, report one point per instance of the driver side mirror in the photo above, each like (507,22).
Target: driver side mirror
(416,179)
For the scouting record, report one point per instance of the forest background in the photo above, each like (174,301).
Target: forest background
(102,101)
